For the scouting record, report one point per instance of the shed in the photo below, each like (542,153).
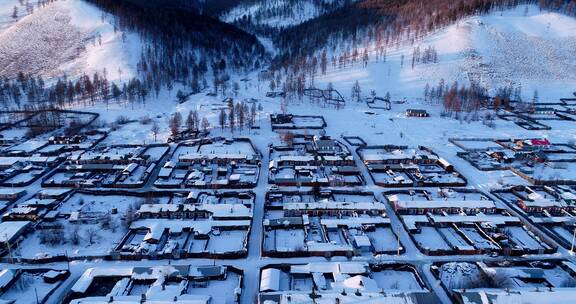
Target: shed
(270,280)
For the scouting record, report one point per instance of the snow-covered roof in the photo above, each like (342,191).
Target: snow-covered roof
(158,226)
(541,202)
(130,168)
(491,218)
(270,279)
(52,274)
(217,210)
(334,205)
(37,201)
(211,156)
(165,172)
(501,296)
(193,195)
(353,221)
(221,210)
(22,210)
(362,241)
(157,208)
(568,195)
(6,276)
(389,297)
(53,192)
(297,158)
(181,299)
(9,161)
(331,267)
(85,280)
(465,204)
(357,282)
(9,191)
(11,229)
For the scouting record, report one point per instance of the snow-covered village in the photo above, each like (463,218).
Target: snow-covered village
(287,151)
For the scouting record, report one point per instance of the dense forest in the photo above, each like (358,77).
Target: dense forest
(193,5)
(216,7)
(180,44)
(257,13)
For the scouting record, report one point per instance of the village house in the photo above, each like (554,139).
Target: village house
(11,194)
(342,282)
(417,113)
(195,211)
(176,283)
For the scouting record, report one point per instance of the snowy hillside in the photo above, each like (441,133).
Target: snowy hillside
(280,13)
(9,15)
(67,37)
(536,51)
(523,46)
(107,49)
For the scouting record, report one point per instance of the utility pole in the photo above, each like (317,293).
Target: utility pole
(10,249)
(67,260)
(573,238)
(398,238)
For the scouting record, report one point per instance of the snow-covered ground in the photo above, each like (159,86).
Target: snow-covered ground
(114,51)
(67,37)
(7,13)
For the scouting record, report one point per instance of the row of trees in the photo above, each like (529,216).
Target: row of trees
(65,92)
(239,115)
(28,6)
(566,6)
(193,123)
(459,99)
(456,99)
(426,56)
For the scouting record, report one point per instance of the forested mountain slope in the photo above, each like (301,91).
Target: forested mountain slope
(380,21)
(270,16)
(126,46)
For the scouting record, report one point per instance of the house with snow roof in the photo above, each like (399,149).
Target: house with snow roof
(342,282)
